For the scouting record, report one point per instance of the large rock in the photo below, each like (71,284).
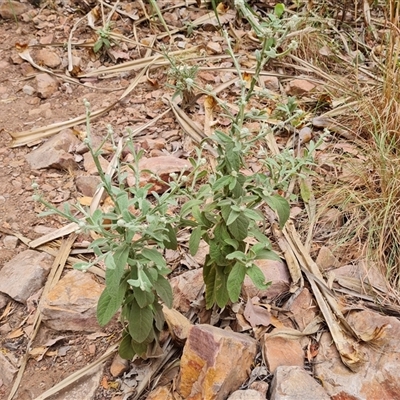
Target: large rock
(378,376)
(280,351)
(294,383)
(55,152)
(25,274)
(215,362)
(71,304)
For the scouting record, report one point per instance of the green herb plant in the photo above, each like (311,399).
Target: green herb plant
(227,212)
(132,237)
(103,41)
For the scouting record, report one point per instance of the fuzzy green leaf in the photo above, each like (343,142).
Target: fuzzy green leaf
(239,227)
(235,281)
(279,9)
(139,348)
(125,349)
(158,316)
(194,240)
(254,215)
(171,243)
(267,255)
(257,276)
(98,45)
(209,279)
(233,216)
(155,256)
(238,255)
(221,289)
(140,322)
(305,190)
(164,290)
(143,298)
(281,206)
(108,304)
(222,182)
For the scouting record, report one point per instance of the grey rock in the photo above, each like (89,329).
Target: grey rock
(294,383)
(25,274)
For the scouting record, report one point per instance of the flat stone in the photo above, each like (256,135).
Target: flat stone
(186,288)
(46,85)
(7,369)
(29,90)
(25,274)
(87,185)
(271,83)
(48,58)
(10,9)
(214,48)
(161,167)
(10,242)
(207,367)
(248,394)
(54,153)
(294,383)
(71,304)
(378,375)
(326,259)
(279,351)
(275,272)
(299,87)
(84,388)
(304,309)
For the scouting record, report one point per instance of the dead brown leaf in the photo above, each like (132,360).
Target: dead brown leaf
(255,314)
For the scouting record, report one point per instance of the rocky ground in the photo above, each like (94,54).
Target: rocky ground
(281,343)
